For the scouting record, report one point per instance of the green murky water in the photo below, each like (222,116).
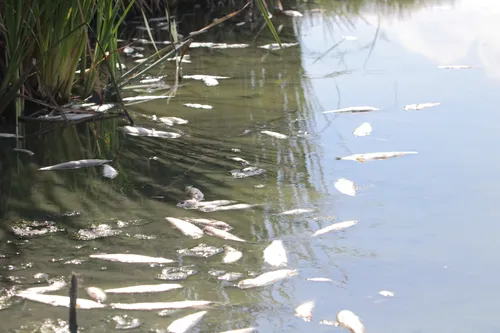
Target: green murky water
(427,229)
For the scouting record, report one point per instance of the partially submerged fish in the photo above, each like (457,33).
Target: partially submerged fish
(275,254)
(386,293)
(267,278)
(54,285)
(216,203)
(276,46)
(292,13)
(109,172)
(212,231)
(198,106)
(304,310)
(97,294)
(376,156)
(346,187)
(145,288)
(455,66)
(242,330)
(230,207)
(238,159)
(320,279)
(173,120)
(160,305)
(275,134)
(143,98)
(75,164)
(347,319)
(296,211)
(141,131)
(131,258)
(186,323)
(363,130)
(56,300)
(185,227)
(420,106)
(211,222)
(231,255)
(354,109)
(193,193)
(247,172)
(335,227)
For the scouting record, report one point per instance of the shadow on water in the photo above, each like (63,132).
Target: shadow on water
(266,91)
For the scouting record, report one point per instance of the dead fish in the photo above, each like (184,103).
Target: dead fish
(247,172)
(198,106)
(347,319)
(173,120)
(131,258)
(376,156)
(230,207)
(75,164)
(55,285)
(320,279)
(56,300)
(231,255)
(160,305)
(420,106)
(275,134)
(335,227)
(296,211)
(455,66)
(386,293)
(26,151)
(229,46)
(9,135)
(304,310)
(212,231)
(97,294)
(102,107)
(216,203)
(152,80)
(275,254)
(242,330)
(145,288)
(363,130)
(141,131)
(189,204)
(185,227)
(354,109)
(238,159)
(346,187)
(109,172)
(193,193)
(292,13)
(211,222)
(143,98)
(267,278)
(186,323)
(276,46)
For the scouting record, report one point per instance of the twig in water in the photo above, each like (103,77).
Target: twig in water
(73,326)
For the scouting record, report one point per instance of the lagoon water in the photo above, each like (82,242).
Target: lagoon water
(427,226)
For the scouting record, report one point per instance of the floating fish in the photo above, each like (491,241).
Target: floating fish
(363,130)
(292,13)
(143,98)
(209,80)
(386,293)
(160,305)
(109,172)
(276,46)
(335,227)
(230,207)
(275,134)
(267,278)
(420,106)
(56,300)
(145,288)
(275,254)
(141,131)
(189,204)
(354,109)
(172,120)
(212,231)
(229,46)
(455,66)
(126,323)
(216,203)
(376,156)
(231,255)
(193,193)
(346,187)
(238,159)
(97,294)
(55,285)
(176,273)
(211,222)
(319,279)
(102,107)
(296,211)
(349,37)
(152,79)
(26,151)
(185,227)
(242,330)
(9,135)
(247,172)
(349,320)
(304,310)
(201,251)
(198,106)
(131,258)
(186,323)
(75,165)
